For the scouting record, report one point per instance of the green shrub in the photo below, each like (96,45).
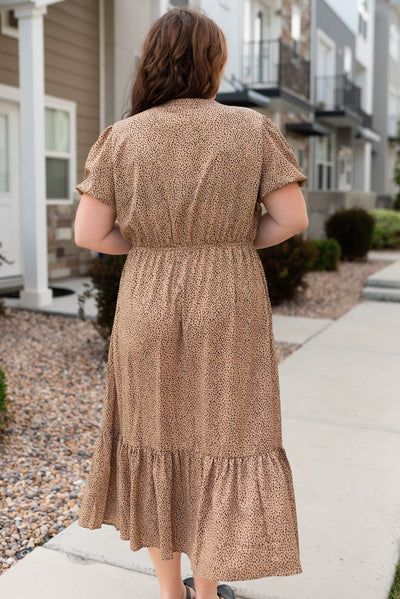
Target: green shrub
(285,265)
(4,401)
(386,232)
(105,272)
(396,205)
(352,229)
(329,253)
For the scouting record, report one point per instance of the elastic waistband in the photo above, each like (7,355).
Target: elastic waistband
(193,246)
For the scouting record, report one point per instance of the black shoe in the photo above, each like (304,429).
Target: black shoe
(225,592)
(189,582)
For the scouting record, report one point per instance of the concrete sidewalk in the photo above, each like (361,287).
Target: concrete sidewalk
(341,424)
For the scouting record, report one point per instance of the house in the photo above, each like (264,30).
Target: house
(63,39)
(342,99)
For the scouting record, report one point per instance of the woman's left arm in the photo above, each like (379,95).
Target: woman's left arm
(96,227)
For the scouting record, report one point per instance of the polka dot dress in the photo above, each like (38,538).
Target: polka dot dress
(189,455)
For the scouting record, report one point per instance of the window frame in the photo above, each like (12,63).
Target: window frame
(5,28)
(70,107)
(325,164)
(394,42)
(363,18)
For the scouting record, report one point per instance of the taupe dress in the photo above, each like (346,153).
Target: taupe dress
(189,456)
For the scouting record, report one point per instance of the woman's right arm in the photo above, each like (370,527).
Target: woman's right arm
(286,215)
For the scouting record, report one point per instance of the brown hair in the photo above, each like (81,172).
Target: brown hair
(182,56)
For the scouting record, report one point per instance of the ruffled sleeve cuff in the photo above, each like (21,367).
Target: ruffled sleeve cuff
(98,180)
(279,163)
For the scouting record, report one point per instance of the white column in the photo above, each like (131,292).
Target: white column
(36,292)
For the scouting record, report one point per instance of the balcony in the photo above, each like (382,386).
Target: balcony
(272,67)
(338,102)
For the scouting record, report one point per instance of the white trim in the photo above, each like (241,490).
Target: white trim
(9,92)
(6,29)
(13,195)
(12,94)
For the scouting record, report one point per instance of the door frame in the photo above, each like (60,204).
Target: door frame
(9,271)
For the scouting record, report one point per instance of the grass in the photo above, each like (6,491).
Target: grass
(395,590)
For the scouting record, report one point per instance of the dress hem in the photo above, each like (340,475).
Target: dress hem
(211,505)
(225,576)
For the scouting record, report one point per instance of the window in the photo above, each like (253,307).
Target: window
(59,151)
(347,62)
(345,166)
(393,111)
(167,4)
(296,23)
(9,23)
(300,158)
(324,162)
(362,17)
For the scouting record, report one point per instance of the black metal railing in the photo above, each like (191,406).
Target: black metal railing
(366,118)
(337,92)
(271,63)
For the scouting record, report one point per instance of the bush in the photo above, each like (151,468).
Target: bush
(4,401)
(329,253)
(285,265)
(353,230)
(386,232)
(105,272)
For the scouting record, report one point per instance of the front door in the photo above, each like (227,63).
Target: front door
(10,229)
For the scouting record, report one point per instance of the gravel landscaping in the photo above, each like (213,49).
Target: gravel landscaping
(56,376)
(331,294)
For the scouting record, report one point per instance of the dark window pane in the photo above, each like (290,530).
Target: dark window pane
(328,177)
(320,176)
(57,177)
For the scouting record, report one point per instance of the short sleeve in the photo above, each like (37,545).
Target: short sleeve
(98,179)
(279,164)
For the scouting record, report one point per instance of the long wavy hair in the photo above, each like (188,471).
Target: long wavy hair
(182,56)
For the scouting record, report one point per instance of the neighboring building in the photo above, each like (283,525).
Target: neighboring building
(343,87)
(386,104)
(268,68)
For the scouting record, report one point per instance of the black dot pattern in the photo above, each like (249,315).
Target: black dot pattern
(189,456)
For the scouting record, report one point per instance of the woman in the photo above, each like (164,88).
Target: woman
(189,456)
